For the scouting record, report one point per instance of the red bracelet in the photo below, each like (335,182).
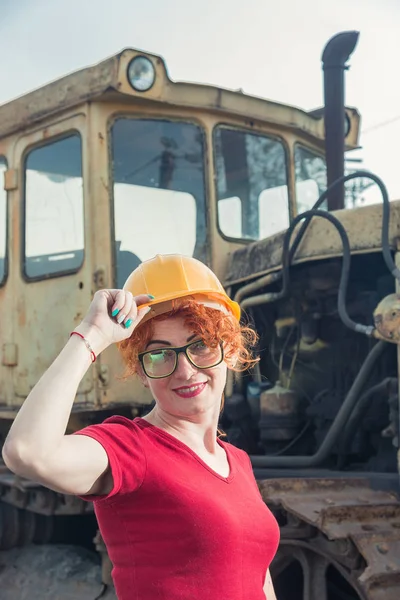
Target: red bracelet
(88,346)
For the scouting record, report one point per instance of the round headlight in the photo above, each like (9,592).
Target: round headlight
(141,73)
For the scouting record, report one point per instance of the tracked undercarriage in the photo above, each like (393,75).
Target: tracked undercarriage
(340,539)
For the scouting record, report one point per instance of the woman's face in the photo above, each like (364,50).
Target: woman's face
(188,391)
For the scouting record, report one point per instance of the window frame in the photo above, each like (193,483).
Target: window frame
(156,118)
(27,151)
(3,280)
(286,149)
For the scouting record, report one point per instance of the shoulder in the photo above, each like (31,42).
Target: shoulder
(117,433)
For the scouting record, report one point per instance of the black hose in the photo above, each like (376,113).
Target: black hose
(355,418)
(344,276)
(385,217)
(288,255)
(337,426)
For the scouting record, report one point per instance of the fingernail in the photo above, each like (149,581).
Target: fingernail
(115,312)
(121,318)
(128,323)
(151,296)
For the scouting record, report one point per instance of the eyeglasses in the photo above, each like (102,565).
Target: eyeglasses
(163,362)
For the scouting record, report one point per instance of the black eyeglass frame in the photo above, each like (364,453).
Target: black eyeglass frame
(178,350)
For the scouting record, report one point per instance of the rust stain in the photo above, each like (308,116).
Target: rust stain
(21,314)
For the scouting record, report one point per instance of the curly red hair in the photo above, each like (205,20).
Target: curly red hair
(211,325)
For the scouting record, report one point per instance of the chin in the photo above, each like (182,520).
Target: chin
(199,404)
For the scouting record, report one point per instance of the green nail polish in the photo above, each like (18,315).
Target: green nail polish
(128,323)
(151,296)
(115,312)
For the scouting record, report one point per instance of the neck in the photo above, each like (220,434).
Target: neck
(199,430)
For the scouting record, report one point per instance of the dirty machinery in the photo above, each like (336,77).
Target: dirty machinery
(108,166)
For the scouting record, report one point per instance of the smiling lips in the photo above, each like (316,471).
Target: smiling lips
(187,391)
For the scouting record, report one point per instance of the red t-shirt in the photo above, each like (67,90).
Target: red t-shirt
(174,528)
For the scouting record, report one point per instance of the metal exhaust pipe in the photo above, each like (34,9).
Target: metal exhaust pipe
(335,55)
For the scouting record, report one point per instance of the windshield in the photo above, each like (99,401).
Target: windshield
(159,192)
(252,191)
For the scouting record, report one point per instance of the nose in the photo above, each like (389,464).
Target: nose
(184,369)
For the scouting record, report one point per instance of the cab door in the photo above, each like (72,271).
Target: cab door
(52,286)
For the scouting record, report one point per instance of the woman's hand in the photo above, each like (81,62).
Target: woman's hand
(112,317)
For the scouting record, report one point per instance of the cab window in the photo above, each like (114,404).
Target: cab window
(251,180)
(159,191)
(54,218)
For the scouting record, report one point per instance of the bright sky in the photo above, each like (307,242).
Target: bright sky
(268,48)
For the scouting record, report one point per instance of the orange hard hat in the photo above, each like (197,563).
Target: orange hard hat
(171,276)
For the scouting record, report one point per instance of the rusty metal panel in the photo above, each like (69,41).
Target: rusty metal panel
(321,240)
(57,96)
(9,356)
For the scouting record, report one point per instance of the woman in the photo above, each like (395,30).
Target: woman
(178,508)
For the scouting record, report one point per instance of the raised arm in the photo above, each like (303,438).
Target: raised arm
(36,446)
